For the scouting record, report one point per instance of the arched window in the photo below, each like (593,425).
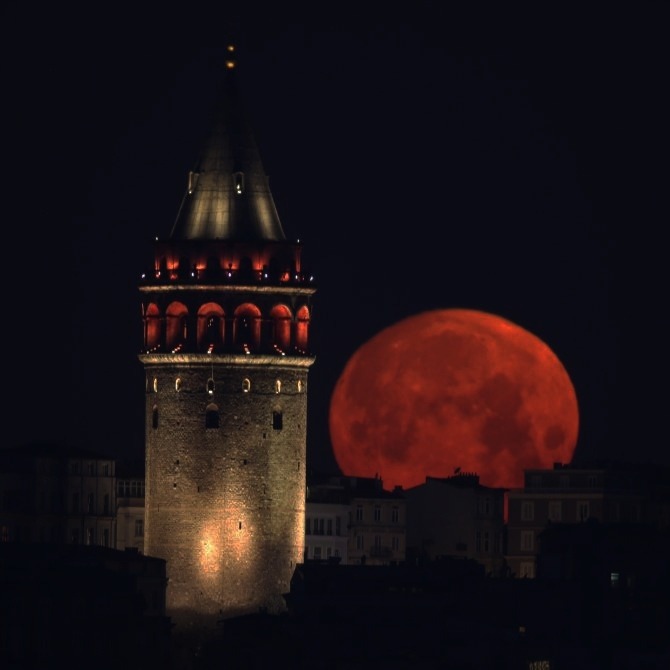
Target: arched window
(212,416)
(177,384)
(210,386)
(277,385)
(246,385)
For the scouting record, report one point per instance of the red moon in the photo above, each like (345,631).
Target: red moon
(452,389)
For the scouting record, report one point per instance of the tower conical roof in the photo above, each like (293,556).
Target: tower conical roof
(228,196)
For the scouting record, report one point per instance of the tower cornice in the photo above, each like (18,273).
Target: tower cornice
(227,288)
(227,359)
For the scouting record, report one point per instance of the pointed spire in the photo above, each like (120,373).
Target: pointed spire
(228,196)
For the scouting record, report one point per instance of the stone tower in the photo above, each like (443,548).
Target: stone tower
(226,310)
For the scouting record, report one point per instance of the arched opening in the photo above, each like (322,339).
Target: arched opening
(152,328)
(302,330)
(176,326)
(280,317)
(210,327)
(247,327)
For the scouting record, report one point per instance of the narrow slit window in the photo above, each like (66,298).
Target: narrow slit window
(154,418)
(210,386)
(246,385)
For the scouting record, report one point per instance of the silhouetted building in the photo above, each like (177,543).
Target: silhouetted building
(456,517)
(226,312)
(612,493)
(82,606)
(622,574)
(58,494)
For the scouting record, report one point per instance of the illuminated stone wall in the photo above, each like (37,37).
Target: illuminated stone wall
(225,506)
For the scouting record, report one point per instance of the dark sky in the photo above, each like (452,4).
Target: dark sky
(504,161)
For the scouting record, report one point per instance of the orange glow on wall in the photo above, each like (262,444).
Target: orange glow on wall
(211,325)
(302,329)
(281,327)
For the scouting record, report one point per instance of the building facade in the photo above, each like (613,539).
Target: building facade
(226,313)
(354,521)
(130,506)
(614,493)
(456,517)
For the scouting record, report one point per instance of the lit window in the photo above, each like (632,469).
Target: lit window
(210,386)
(246,385)
(155,385)
(277,386)
(177,384)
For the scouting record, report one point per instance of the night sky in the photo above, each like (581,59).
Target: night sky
(510,162)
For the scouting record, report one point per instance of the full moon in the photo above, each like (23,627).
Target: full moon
(452,390)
